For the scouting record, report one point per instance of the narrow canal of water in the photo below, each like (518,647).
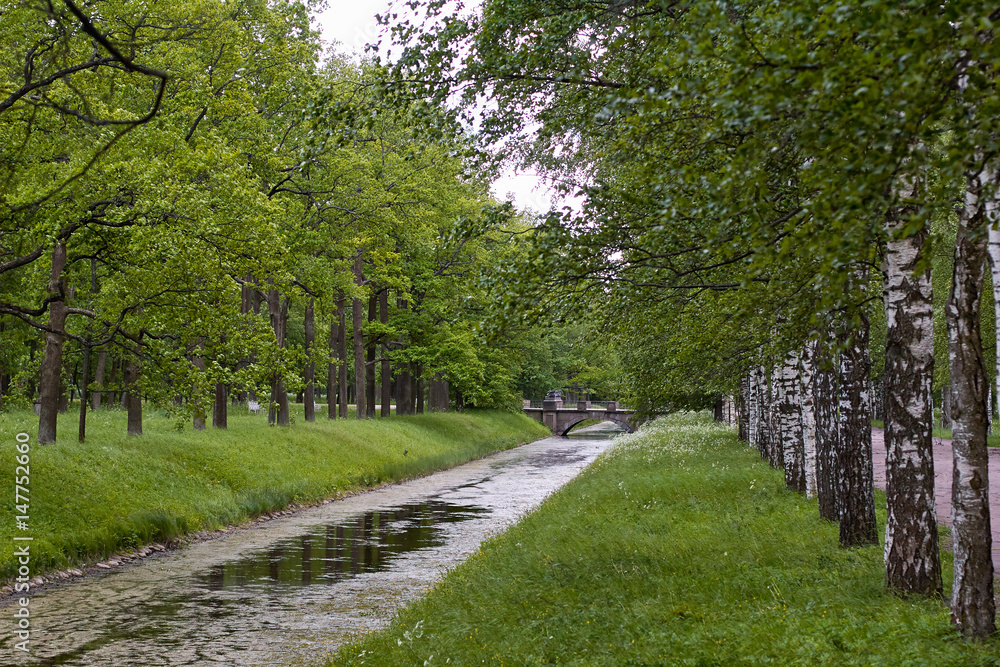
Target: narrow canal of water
(291,590)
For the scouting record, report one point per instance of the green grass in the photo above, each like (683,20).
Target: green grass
(115,492)
(678,548)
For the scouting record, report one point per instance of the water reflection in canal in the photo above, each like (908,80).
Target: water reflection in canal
(290,590)
(328,554)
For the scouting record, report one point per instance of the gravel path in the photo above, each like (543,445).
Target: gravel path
(942,483)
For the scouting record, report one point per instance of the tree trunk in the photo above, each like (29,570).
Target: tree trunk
(743,429)
(790,415)
(808,406)
(342,359)
(220,408)
(912,558)
(404,399)
(332,370)
(383,316)
(359,343)
(95,397)
(249,303)
(718,409)
(439,394)
(972,604)
(751,408)
(309,397)
(420,389)
(946,407)
(133,393)
(198,418)
(827,433)
(278,309)
(49,378)
(774,451)
(370,361)
(108,395)
(857,492)
(84,403)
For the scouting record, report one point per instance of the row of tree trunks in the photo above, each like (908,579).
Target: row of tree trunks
(835,418)
(409,389)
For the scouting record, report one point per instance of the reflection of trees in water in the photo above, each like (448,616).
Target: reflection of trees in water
(365,544)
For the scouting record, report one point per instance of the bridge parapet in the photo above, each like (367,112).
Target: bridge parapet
(561,419)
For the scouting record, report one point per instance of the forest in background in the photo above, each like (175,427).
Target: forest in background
(201,207)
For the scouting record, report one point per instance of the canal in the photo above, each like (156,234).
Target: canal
(290,590)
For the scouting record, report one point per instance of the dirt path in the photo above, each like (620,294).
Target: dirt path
(942,483)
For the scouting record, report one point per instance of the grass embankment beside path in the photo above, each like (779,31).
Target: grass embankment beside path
(945,433)
(116,492)
(679,547)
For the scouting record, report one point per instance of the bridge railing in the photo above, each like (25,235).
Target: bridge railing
(568,405)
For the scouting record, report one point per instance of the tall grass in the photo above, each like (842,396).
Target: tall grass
(115,491)
(678,547)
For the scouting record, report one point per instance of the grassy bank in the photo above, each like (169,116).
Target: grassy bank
(945,433)
(678,548)
(116,492)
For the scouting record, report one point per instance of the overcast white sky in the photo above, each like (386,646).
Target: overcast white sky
(352,23)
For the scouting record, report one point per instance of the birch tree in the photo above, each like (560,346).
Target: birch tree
(912,559)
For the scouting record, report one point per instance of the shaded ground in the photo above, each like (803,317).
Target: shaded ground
(942,483)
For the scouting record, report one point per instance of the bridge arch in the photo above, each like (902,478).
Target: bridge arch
(621,423)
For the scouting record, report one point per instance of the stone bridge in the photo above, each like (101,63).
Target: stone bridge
(561,420)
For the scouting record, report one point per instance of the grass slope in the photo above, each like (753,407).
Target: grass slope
(945,433)
(115,492)
(679,547)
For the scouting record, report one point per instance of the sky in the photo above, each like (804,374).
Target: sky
(352,23)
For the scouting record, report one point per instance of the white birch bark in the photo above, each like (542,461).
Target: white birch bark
(774,420)
(808,403)
(752,410)
(790,413)
(912,558)
(857,499)
(994,257)
(972,606)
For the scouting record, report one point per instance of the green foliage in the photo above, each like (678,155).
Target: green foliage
(716,147)
(679,546)
(265,168)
